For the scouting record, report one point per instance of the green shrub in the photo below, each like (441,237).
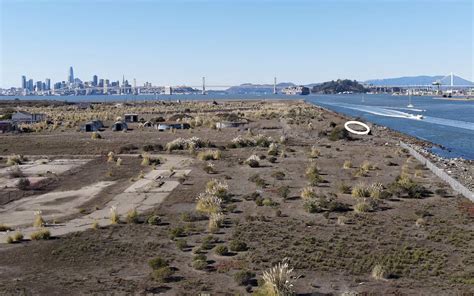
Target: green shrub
(238,246)
(154,220)
(363,207)
(177,232)
(221,250)
(182,244)
(255,178)
(268,202)
(199,264)
(278,175)
(344,188)
(284,191)
(312,173)
(243,277)
(163,274)
(339,133)
(157,263)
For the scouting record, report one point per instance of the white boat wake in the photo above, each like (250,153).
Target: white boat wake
(388,112)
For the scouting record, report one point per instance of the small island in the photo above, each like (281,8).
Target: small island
(339,86)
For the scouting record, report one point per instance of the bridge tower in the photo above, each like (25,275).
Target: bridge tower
(274,85)
(452,79)
(203,85)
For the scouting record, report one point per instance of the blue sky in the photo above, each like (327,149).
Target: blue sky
(233,42)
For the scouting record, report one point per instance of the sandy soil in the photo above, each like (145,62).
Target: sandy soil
(427,243)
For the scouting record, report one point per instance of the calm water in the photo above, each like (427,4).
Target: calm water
(447,123)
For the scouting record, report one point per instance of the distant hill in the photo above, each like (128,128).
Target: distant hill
(249,88)
(418,80)
(338,86)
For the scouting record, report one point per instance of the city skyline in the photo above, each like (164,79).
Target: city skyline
(234,42)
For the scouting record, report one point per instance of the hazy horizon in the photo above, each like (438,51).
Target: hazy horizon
(234,42)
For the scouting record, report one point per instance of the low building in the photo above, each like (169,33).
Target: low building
(295,90)
(25,117)
(130,117)
(7,126)
(92,126)
(119,126)
(229,124)
(168,126)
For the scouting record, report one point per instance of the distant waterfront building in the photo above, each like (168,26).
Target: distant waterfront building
(101,83)
(47,84)
(30,85)
(23,82)
(25,117)
(168,90)
(296,90)
(71,75)
(39,85)
(107,82)
(94,80)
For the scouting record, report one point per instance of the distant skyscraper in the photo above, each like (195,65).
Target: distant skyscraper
(23,82)
(107,82)
(101,82)
(39,85)
(31,85)
(94,80)
(47,84)
(71,75)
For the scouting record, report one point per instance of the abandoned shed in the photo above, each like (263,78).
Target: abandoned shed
(119,126)
(130,117)
(6,126)
(168,126)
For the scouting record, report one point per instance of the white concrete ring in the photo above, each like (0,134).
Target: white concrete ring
(367,128)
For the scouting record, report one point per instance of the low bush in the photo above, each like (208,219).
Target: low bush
(157,263)
(42,234)
(154,220)
(209,155)
(221,250)
(347,164)
(132,216)
(162,275)
(182,244)
(4,227)
(314,153)
(238,246)
(344,188)
(339,133)
(362,207)
(15,159)
(360,191)
(278,175)
(255,178)
(243,277)
(15,172)
(312,174)
(284,191)
(199,264)
(176,232)
(23,184)
(406,187)
(379,272)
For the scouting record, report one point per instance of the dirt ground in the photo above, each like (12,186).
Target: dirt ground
(425,243)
